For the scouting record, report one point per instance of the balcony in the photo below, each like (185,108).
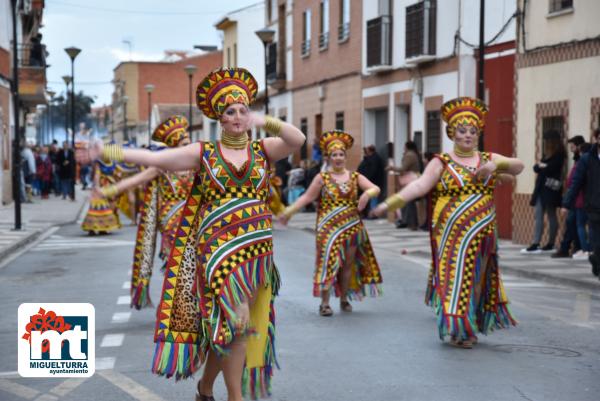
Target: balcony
(323,41)
(420,32)
(275,68)
(32,74)
(379,44)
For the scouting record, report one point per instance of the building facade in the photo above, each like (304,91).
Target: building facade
(132,103)
(557,86)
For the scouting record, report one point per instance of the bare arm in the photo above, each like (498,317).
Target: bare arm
(370,190)
(514,166)
(311,194)
(137,179)
(290,140)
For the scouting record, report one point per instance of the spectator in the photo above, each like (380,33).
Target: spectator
(570,237)
(410,169)
(53,153)
(581,215)
(373,168)
(295,184)
(587,177)
(44,171)
(282,168)
(546,196)
(28,170)
(66,170)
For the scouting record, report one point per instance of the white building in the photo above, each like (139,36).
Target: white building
(415,56)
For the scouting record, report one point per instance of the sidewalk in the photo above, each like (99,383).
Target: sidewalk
(415,247)
(37,218)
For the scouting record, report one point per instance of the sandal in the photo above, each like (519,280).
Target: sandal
(345,306)
(201,397)
(464,344)
(325,310)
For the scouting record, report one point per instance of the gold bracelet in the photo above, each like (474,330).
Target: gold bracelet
(372,192)
(502,164)
(395,202)
(272,125)
(112,152)
(109,191)
(290,211)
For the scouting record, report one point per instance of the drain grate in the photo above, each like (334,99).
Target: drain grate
(537,349)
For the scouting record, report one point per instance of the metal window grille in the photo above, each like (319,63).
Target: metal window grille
(379,41)
(434,133)
(420,30)
(339,120)
(559,5)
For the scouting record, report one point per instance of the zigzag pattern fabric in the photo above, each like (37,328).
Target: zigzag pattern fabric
(339,227)
(464,285)
(123,171)
(102,214)
(223,248)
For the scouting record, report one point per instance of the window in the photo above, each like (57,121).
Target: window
(228,57)
(379,41)
(234,55)
(560,5)
(420,29)
(339,120)
(304,129)
(434,134)
(555,123)
(324,25)
(344,26)
(305,51)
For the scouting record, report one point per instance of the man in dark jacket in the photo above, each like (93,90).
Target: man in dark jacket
(587,177)
(66,170)
(373,168)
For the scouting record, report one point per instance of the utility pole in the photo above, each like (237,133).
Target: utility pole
(16,168)
(481,62)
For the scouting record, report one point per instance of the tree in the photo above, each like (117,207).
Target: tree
(83,107)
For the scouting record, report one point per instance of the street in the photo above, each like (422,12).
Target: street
(387,349)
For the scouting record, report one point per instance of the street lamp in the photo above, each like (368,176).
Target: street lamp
(73,52)
(266,36)
(51,94)
(67,80)
(125,134)
(190,69)
(149,88)
(16,166)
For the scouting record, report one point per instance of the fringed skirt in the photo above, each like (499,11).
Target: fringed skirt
(101,216)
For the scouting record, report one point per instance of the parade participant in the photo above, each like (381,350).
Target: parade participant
(163,200)
(464,285)
(345,259)
(223,250)
(102,216)
(127,202)
(275,203)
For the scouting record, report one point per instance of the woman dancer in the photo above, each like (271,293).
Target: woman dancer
(102,216)
(345,259)
(163,202)
(464,285)
(223,249)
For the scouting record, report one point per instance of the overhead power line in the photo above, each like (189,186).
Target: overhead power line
(132,11)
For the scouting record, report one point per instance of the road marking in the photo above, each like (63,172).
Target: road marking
(106,363)
(124,300)
(14,373)
(26,248)
(131,387)
(46,397)
(121,317)
(126,285)
(18,389)
(112,340)
(67,386)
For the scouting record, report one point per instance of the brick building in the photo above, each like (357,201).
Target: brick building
(171,86)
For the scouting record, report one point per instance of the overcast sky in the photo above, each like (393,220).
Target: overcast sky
(99,27)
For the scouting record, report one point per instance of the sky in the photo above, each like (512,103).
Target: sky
(100,27)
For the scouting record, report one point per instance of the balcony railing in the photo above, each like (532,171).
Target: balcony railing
(305,49)
(32,55)
(323,40)
(343,32)
(379,41)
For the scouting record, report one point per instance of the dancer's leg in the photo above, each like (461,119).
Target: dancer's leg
(346,272)
(212,367)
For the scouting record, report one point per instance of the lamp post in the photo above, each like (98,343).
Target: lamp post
(72,52)
(266,36)
(125,134)
(149,89)
(190,69)
(16,167)
(51,127)
(67,80)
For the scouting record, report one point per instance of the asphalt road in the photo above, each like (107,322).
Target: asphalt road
(387,349)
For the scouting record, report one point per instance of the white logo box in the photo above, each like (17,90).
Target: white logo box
(78,364)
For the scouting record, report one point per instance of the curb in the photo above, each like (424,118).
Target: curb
(558,280)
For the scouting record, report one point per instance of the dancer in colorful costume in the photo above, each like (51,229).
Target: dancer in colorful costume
(345,258)
(223,250)
(164,197)
(464,286)
(102,216)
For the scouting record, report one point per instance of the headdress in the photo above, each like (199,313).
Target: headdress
(336,139)
(223,87)
(171,131)
(465,111)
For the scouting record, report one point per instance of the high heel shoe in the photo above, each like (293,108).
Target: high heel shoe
(201,397)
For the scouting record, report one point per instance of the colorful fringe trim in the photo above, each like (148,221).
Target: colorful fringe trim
(181,360)
(256,382)
(140,296)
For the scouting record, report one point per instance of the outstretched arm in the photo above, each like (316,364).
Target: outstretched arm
(414,190)
(310,195)
(501,164)
(177,159)
(131,182)
(289,139)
